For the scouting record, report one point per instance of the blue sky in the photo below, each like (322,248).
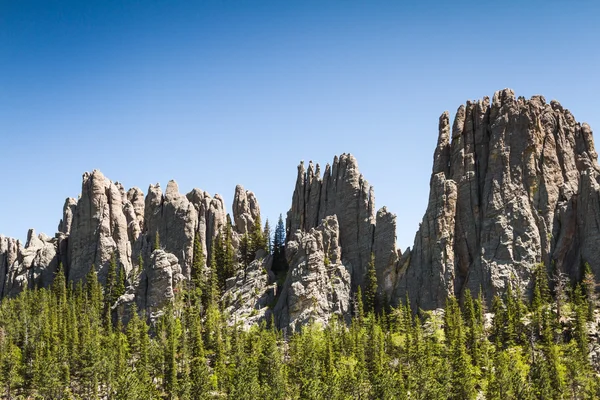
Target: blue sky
(216,93)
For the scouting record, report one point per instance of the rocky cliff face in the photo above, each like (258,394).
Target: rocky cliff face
(343,191)
(514,183)
(96,227)
(108,220)
(29,266)
(245,210)
(318,283)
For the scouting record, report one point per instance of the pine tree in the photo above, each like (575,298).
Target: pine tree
(359,310)
(225,254)
(110,289)
(267,236)
(169,333)
(541,288)
(212,293)
(198,278)
(199,372)
(580,331)
(589,287)
(499,321)
(94,292)
(140,267)
(11,365)
(473,333)
(512,320)
(120,284)
(229,263)
(59,286)
(271,372)
(279,262)
(111,278)
(371,290)
(257,241)
(462,378)
(156,241)
(246,250)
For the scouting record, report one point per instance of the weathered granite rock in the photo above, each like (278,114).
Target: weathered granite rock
(134,213)
(342,191)
(211,218)
(31,266)
(385,252)
(99,228)
(9,252)
(135,197)
(249,297)
(318,284)
(68,211)
(175,218)
(245,210)
(516,185)
(161,278)
(514,182)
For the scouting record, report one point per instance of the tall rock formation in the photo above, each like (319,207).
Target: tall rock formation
(97,227)
(212,218)
(108,220)
(175,219)
(245,210)
(31,266)
(344,192)
(514,183)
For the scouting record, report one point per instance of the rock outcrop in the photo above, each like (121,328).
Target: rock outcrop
(161,278)
(32,266)
(514,183)
(212,217)
(250,294)
(98,227)
(344,192)
(245,210)
(108,220)
(318,283)
(175,219)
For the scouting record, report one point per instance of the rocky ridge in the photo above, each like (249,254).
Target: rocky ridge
(515,182)
(108,220)
(344,192)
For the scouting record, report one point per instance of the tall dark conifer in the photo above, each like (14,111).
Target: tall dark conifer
(279,262)
(371,302)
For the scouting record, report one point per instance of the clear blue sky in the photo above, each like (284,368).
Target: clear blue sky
(216,93)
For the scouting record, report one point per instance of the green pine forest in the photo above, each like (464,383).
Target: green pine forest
(65,343)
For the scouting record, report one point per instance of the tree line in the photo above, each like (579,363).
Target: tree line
(64,343)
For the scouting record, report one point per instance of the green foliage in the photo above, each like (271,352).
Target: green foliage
(198,278)
(371,302)
(589,287)
(246,250)
(279,262)
(56,344)
(224,254)
(258,241)
(267,236)
(156,241)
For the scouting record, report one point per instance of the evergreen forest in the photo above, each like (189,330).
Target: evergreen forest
(64,343)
